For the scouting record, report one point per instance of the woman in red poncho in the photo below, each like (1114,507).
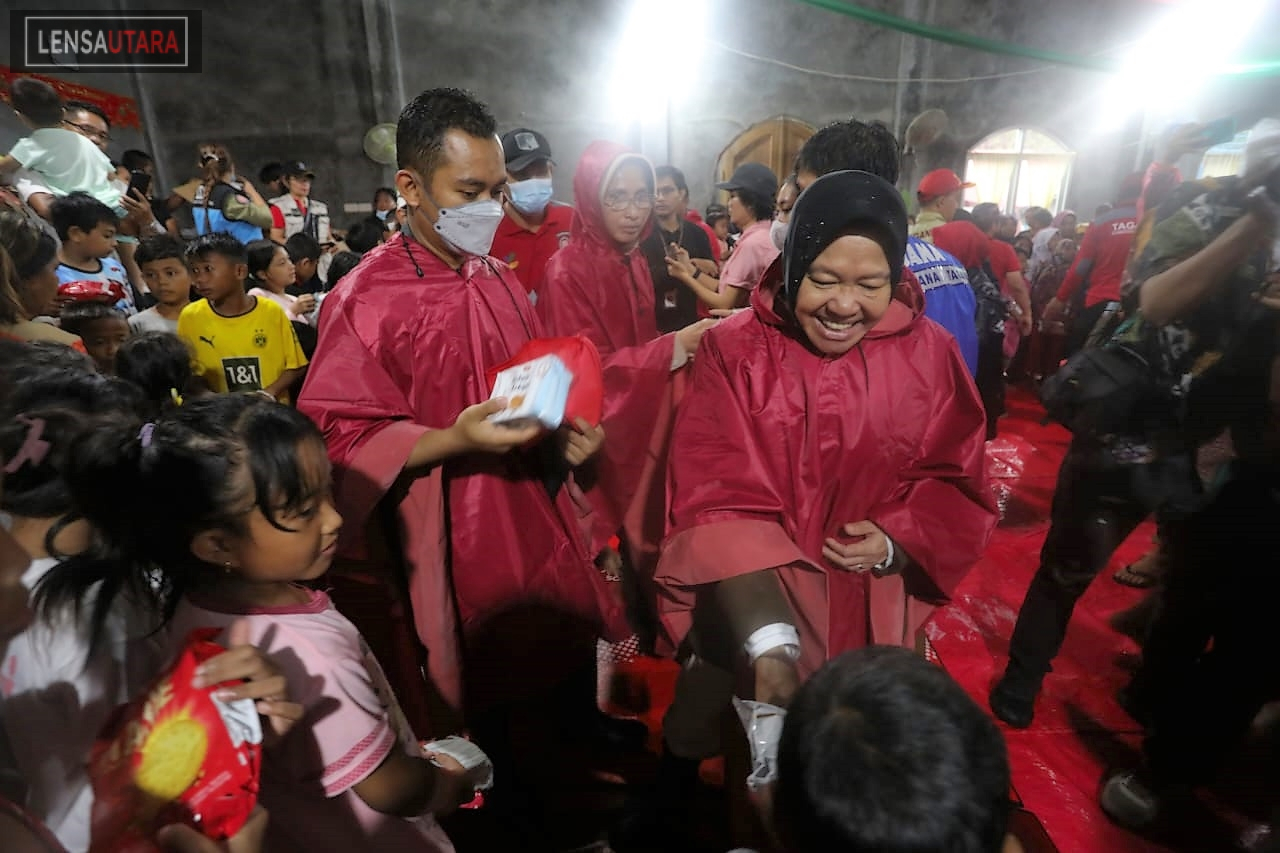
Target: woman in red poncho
(828,487)
(599,286)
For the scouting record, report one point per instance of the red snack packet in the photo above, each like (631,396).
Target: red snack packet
(175,755)
(88,290)
(586,393)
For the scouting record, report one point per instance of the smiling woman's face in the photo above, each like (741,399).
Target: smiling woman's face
(844,294)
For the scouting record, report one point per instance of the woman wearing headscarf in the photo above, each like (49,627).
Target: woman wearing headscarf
(599,286)
(829,489)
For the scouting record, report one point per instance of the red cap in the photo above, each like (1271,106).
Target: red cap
(941,182)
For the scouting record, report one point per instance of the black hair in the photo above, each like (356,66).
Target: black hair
(203,466)
(342,263)
(75,317)
(79,210)
(961,215)
(135,160)
(715,216)
(270,173)
(365,234)
(761,208)
(425,120)
(986,216)
(159,247)
(86,107)
(380,191)
(217,243)
(158,364)
(59,387)
(676,176)
(851,145)
(36,100)
(1037,217)
(302,247)
(30,247)
(259,255)
(882,751)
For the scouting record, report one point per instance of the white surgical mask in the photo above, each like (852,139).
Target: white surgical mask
(778,233)
(531,196)
(381,214)
(470,228)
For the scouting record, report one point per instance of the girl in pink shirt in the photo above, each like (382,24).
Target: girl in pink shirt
(238,516)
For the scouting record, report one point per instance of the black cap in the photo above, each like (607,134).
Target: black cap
(523,147)
(294,168)
(755,178)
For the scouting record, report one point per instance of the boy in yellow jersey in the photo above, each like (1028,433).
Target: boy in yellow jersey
(240,342)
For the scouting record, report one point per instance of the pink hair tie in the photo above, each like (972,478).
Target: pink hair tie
(144,434)
(34,448)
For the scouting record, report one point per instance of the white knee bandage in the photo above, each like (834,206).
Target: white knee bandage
(779,635)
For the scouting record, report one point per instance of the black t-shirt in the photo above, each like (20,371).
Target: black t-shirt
(675,304)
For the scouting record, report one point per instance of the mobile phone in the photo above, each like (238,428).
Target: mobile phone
(139,181)
(1217,132)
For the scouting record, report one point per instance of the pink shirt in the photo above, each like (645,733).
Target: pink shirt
(351,725)
(751,257)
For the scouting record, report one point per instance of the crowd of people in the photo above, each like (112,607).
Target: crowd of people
(219,410)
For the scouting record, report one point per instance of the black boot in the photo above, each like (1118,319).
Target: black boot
(1013,699)
(660,816)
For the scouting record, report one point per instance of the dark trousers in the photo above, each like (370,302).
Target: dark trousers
(1209,662)
(1095,508)
(990,378)
(1082,326)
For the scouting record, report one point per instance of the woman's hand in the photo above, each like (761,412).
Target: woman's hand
(303,305)
(262,681)
(691,336)
(581,441)
(476,433)
(870,547)
(679,265)
(139,208)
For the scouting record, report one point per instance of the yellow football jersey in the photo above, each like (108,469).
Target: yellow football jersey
(244,353)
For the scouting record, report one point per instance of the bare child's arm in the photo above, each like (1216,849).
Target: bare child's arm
(286,381)
(8,165)
(407,786)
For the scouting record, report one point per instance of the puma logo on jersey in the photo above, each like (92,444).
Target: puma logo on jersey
(208,341)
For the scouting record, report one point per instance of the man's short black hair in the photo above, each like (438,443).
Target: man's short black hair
(86,107)
(1037,217)
(761,208)
(860,146)
(79,210)
(36,100)
(882,751)
(365,234)
(302,247)
(986,216)
(270,173)
(158,248)
(217,243)
(425,120)
(135,160)
(676,176)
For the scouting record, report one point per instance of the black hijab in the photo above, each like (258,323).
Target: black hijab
(836,204)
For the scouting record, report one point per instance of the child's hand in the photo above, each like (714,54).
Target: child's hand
(475,432)
(262,680)
(304,304)
(452,787)
(180,838)
(581,441)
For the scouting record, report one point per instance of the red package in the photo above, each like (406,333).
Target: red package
(586,393)
(175,755)
(89,290)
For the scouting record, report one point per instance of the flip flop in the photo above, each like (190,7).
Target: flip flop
(1131,577)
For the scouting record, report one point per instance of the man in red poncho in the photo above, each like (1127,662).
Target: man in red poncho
(473,523)
(599,286)
(829,489)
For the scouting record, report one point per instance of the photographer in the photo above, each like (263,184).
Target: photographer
(1208,280)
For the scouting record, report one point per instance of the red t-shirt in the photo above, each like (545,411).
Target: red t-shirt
(1004,260)
(527,252)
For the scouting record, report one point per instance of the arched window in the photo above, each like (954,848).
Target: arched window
(1017,168)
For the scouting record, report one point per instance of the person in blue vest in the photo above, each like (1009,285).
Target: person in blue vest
(948,298)
(225,203)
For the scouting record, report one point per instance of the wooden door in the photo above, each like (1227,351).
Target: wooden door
(775,143)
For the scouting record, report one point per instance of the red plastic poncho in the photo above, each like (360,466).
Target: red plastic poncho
(593,289)
(399,355)
(780,448)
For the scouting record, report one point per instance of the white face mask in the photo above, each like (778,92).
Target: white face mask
(381,214)
(778,233)
(531,196)
(470,228)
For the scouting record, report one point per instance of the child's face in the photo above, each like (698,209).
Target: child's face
(304,270)
(103,339)
(96,243)
(281,271)
(264,553)
(216,277)
(168,280)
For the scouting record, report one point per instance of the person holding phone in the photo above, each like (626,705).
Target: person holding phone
(224,202)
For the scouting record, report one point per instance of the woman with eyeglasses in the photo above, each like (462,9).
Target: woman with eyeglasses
(599,286)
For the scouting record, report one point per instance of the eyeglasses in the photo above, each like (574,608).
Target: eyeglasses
(642,200)
(89,130)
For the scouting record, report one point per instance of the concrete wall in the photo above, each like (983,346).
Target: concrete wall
(306,78)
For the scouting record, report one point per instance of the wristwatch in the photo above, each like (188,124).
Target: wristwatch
(697,271)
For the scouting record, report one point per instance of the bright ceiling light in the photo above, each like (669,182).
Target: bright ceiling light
(656,59)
